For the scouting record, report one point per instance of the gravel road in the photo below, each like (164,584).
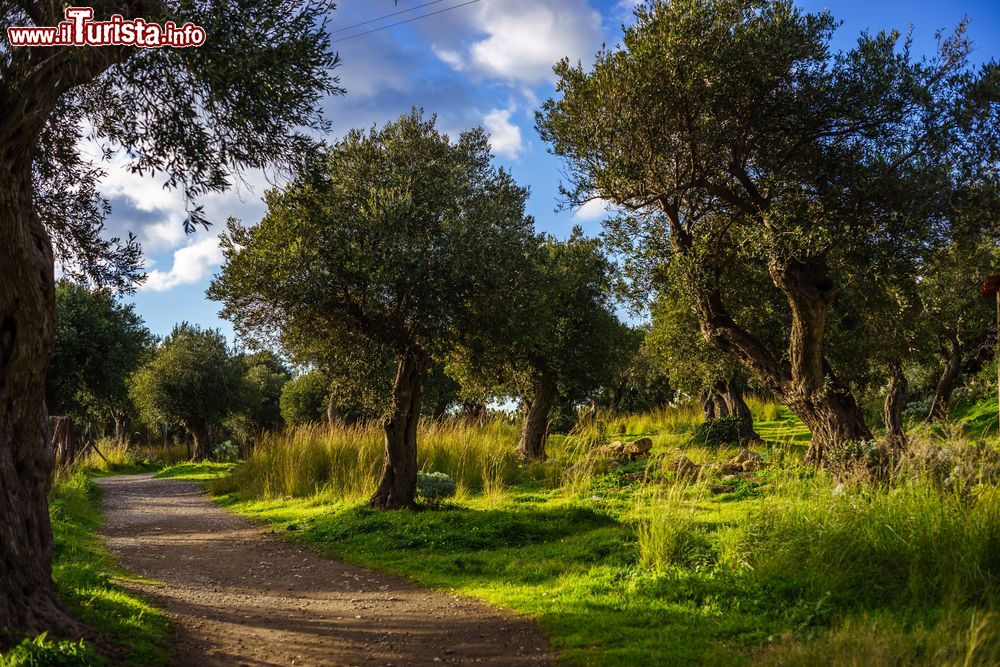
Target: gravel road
(242,597)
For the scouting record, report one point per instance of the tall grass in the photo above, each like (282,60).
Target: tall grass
(762,410)
(117,457)
(345,462)
(863,545)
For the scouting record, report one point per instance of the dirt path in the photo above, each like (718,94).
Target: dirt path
(241,597)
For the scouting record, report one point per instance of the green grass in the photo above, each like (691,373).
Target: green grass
(201,471)
(980,418)
(132,630)
(785,567)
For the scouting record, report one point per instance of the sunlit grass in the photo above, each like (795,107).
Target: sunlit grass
(89,581)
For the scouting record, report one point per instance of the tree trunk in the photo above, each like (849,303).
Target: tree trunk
(805,382)
(709,404)
(399,472)
(63,443)
(536,420)
(440,410)
(946,384)
(333,417)
(732,397)
(28,600)
(834,419)
(200,433)
(892,410)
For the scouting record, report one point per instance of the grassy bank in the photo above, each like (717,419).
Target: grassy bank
(130,630)
(782,566)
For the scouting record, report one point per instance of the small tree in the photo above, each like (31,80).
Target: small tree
(192,380)
(573,343)
(399,237)
(99,342)
(304,399)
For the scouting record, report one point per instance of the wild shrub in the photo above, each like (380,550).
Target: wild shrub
(717,432)
(435,486)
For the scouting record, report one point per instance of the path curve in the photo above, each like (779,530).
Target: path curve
(242,597)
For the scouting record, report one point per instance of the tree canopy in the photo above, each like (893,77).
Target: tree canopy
(99,342)
(194,380)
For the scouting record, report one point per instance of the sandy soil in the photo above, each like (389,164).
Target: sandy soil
(242,597)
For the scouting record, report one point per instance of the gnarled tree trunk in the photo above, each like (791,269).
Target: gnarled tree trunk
(536,420)
(805,383)
(201,435)
(28,600)
(736,406)
(398,486)
(892,409)
(946,383)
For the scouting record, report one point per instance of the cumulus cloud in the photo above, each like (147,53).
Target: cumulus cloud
(592,210)
(505,137)
(192,263)
(520,40)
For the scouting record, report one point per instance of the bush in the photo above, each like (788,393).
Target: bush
(40,652)
(717,432)
(435,486)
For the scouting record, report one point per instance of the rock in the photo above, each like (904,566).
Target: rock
(634,451)
(684,467)
(615,450)
(745,461)
(638,449)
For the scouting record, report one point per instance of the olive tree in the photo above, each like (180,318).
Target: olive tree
(193,380)
(398,236)
(695,367)
(304,399)
(99,342)
(191,115)
(731,134)
(569,341)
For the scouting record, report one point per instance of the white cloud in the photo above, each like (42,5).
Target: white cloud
(522,39)
(192,263)
(449,57)
(505,137)
(592,210)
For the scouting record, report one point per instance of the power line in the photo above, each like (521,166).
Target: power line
(392,25)
(401,11)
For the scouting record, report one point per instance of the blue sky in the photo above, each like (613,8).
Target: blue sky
(487,63)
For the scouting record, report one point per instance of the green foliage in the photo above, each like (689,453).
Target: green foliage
(192,380)
(435,486)
(99,342)
(405,239)
(90,583)
(304,399)
(807,172)
(41,652)
(717,432)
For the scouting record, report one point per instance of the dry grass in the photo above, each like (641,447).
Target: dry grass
(345,462)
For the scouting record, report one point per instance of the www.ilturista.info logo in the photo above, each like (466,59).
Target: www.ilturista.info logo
(79,30)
